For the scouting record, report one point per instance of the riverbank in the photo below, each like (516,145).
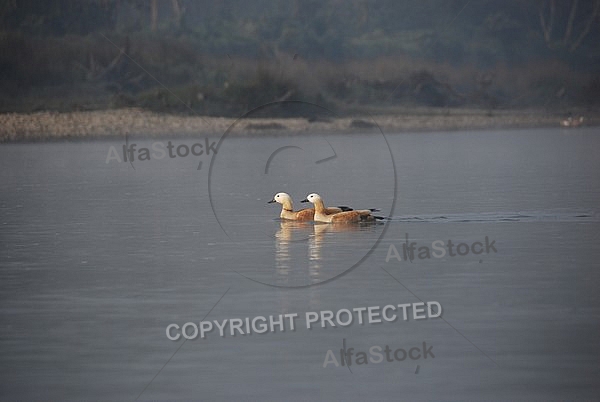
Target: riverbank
(51,126)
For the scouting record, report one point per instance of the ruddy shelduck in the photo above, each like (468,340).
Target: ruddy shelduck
(571,122)
(307,214)
(325,216)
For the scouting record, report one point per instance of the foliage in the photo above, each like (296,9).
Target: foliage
(224,57)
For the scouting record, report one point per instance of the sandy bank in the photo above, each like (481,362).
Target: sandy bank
(48,126)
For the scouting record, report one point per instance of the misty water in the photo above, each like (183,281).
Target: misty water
(98,258)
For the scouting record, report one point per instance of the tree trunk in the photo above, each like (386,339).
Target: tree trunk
(588,27)
(177,12)
(154,15)
(547,27)
(570,22)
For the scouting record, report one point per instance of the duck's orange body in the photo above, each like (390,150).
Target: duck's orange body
(303,215)
(323,215)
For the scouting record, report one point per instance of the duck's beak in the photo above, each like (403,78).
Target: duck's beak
(272,201)
(304,200)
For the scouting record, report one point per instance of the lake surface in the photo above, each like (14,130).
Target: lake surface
(98,258)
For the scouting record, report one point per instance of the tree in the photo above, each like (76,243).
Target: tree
(548,20)
(154,11)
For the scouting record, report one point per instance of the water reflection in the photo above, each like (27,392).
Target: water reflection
(289,233)
(309,239)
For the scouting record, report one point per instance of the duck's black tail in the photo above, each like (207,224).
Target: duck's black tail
(346,209)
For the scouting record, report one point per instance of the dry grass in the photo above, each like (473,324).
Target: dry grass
(78,61)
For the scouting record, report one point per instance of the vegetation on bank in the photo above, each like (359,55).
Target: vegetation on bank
(224,58)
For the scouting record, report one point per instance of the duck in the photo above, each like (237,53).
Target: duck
(571,122)
(354,216)
(303,215)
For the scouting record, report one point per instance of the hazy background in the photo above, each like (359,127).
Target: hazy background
(223,57)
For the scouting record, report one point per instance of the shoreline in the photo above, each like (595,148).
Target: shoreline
(116,123)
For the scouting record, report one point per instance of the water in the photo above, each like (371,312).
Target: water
(97,259)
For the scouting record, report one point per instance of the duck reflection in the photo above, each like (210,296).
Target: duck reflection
(293,235)
(315,248)
(289,234)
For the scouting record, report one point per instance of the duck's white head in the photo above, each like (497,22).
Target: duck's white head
(313,197)
(281,198)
